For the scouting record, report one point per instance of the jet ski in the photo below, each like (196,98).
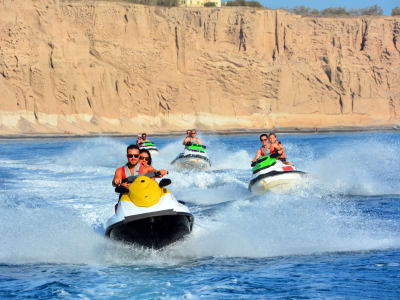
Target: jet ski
(194,156)
(271,174)
(150,147)
(148,214)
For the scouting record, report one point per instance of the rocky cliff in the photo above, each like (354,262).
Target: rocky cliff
(93,66)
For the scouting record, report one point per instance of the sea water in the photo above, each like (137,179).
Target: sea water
(337,236)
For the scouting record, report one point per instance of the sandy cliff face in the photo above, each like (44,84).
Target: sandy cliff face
(85,67)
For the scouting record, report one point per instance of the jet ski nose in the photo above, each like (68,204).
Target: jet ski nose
(145,192)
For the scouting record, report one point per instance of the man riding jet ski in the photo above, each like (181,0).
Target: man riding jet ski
(148,214)
(194,155)
(271,174)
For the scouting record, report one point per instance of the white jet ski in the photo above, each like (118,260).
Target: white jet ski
(270,174)
(150,147)
(194,156)
(148,214)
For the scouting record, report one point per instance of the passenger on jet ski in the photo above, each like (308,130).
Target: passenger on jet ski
(144,138)
(188,135)
(192,138)
(264,149)
(139,141)
(275,146)
(145,164)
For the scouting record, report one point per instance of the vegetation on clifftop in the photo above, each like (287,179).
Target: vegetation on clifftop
(374,10)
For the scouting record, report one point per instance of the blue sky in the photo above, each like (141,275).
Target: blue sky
(386,5)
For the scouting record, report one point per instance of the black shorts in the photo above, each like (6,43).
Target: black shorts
(282,159)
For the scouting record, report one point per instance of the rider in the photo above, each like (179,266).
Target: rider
(275,146)
(188,134)
(263,150)
(192,139)
(131,168)
(144,137)
(145,164)
(139,141)
(134,168)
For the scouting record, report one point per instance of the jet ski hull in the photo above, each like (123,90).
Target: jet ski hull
(149,215)
(152,230)
(192,161)
(153,150)
(275,181)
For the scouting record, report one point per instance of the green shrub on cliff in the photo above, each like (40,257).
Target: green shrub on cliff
(244,3)
(209,4)
(157,2)
(335,11)
(374,10)
(396,11)
(168,2)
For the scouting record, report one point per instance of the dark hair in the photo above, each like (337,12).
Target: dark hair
(146,151)
(264,134)
(132,147)
(144,134)
(272,133)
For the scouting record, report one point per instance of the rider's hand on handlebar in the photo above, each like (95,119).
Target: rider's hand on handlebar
(125,184)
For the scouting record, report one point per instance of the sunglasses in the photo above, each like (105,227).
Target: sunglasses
(263,140)
(132,155)
(145,158)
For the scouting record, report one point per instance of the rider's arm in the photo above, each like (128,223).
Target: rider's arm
(199,141)
(185,141)
(280,148)
(117,178)
(257,155)
(158,174)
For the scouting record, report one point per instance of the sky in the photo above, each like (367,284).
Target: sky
(386,5)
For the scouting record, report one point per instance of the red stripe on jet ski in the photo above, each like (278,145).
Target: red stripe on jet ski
(287,168)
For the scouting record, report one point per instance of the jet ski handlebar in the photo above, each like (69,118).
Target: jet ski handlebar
(131,179)
(198,145)
(163,182)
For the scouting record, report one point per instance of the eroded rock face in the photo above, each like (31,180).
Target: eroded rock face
(86,67)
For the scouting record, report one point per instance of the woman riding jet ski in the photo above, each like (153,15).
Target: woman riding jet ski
(148,214)
(194,156)
(271,174)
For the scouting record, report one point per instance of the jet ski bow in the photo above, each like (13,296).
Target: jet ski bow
(271,174)
(148,214)
(150,147)
(194,156)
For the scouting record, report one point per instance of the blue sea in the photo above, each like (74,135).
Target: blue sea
(336,236)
